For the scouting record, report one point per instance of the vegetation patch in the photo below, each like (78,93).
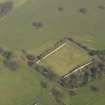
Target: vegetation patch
(66,58)
(6,8)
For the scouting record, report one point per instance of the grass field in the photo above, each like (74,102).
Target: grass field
(22,87)
(88,28)
(16,2)
(66,58)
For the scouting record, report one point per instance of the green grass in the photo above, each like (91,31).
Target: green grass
(66,58)
(87,97)
(16,31)
(16,2)
(22,87)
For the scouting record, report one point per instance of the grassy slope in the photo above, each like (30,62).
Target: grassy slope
(66,59)
(16,2)
(86,97)
(88,28)
(22,87)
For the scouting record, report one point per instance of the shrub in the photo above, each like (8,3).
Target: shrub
(6,8)
(94,88)
(43,84)
(60,8)
(101,7)
(11,64)
(83,10)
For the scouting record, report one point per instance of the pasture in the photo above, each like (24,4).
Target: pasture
(22,87)
(35,25)
(17,32)
(16,2)
(66,58)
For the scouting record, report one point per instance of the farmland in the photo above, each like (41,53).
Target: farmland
(69,56)
(34,26)
(56,24)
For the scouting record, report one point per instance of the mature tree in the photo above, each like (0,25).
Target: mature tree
(37,25)
(6,8)
(83,10)
(60,9)
(101,7)
(85,78)
(43,84)
(56,93)
(72,81)
(72,92)
(11,64)
(93,71)
(8,54)
(94,88)
(48,73)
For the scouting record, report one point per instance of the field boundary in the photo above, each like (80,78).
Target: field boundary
(76,69)
(53,52)
(57,46)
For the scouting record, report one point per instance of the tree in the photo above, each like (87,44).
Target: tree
(93,71)
(72,92)
(94,88)
(72,81)
(60,9)
(62,82)
(48,73)
(37,25)
(2,50)
(11,64)
(7,54)
(101,7)
(85,78)
(6,8)
(56,93)
(43,84)
(83,10)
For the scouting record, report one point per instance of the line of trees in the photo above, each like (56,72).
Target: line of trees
(79,78)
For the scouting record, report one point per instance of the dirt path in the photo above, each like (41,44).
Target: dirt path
(81,67)
(53,51)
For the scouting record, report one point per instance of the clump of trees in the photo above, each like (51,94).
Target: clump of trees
(58,96)
(6,8)
(83,10)
(45,71)
(44,84)
(60,9)
(37,25)
(95,70)
(72,92)
(101,7)
(9,59)
(94,88)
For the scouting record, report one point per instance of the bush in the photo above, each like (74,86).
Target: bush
(60,8)
(37,25)
(43,84)
(83,10)
(6,8)
(11,64)
(94,88)
(56,93)
(101,7)
(72,93)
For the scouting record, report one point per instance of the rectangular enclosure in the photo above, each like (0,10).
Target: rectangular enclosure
(65,58)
